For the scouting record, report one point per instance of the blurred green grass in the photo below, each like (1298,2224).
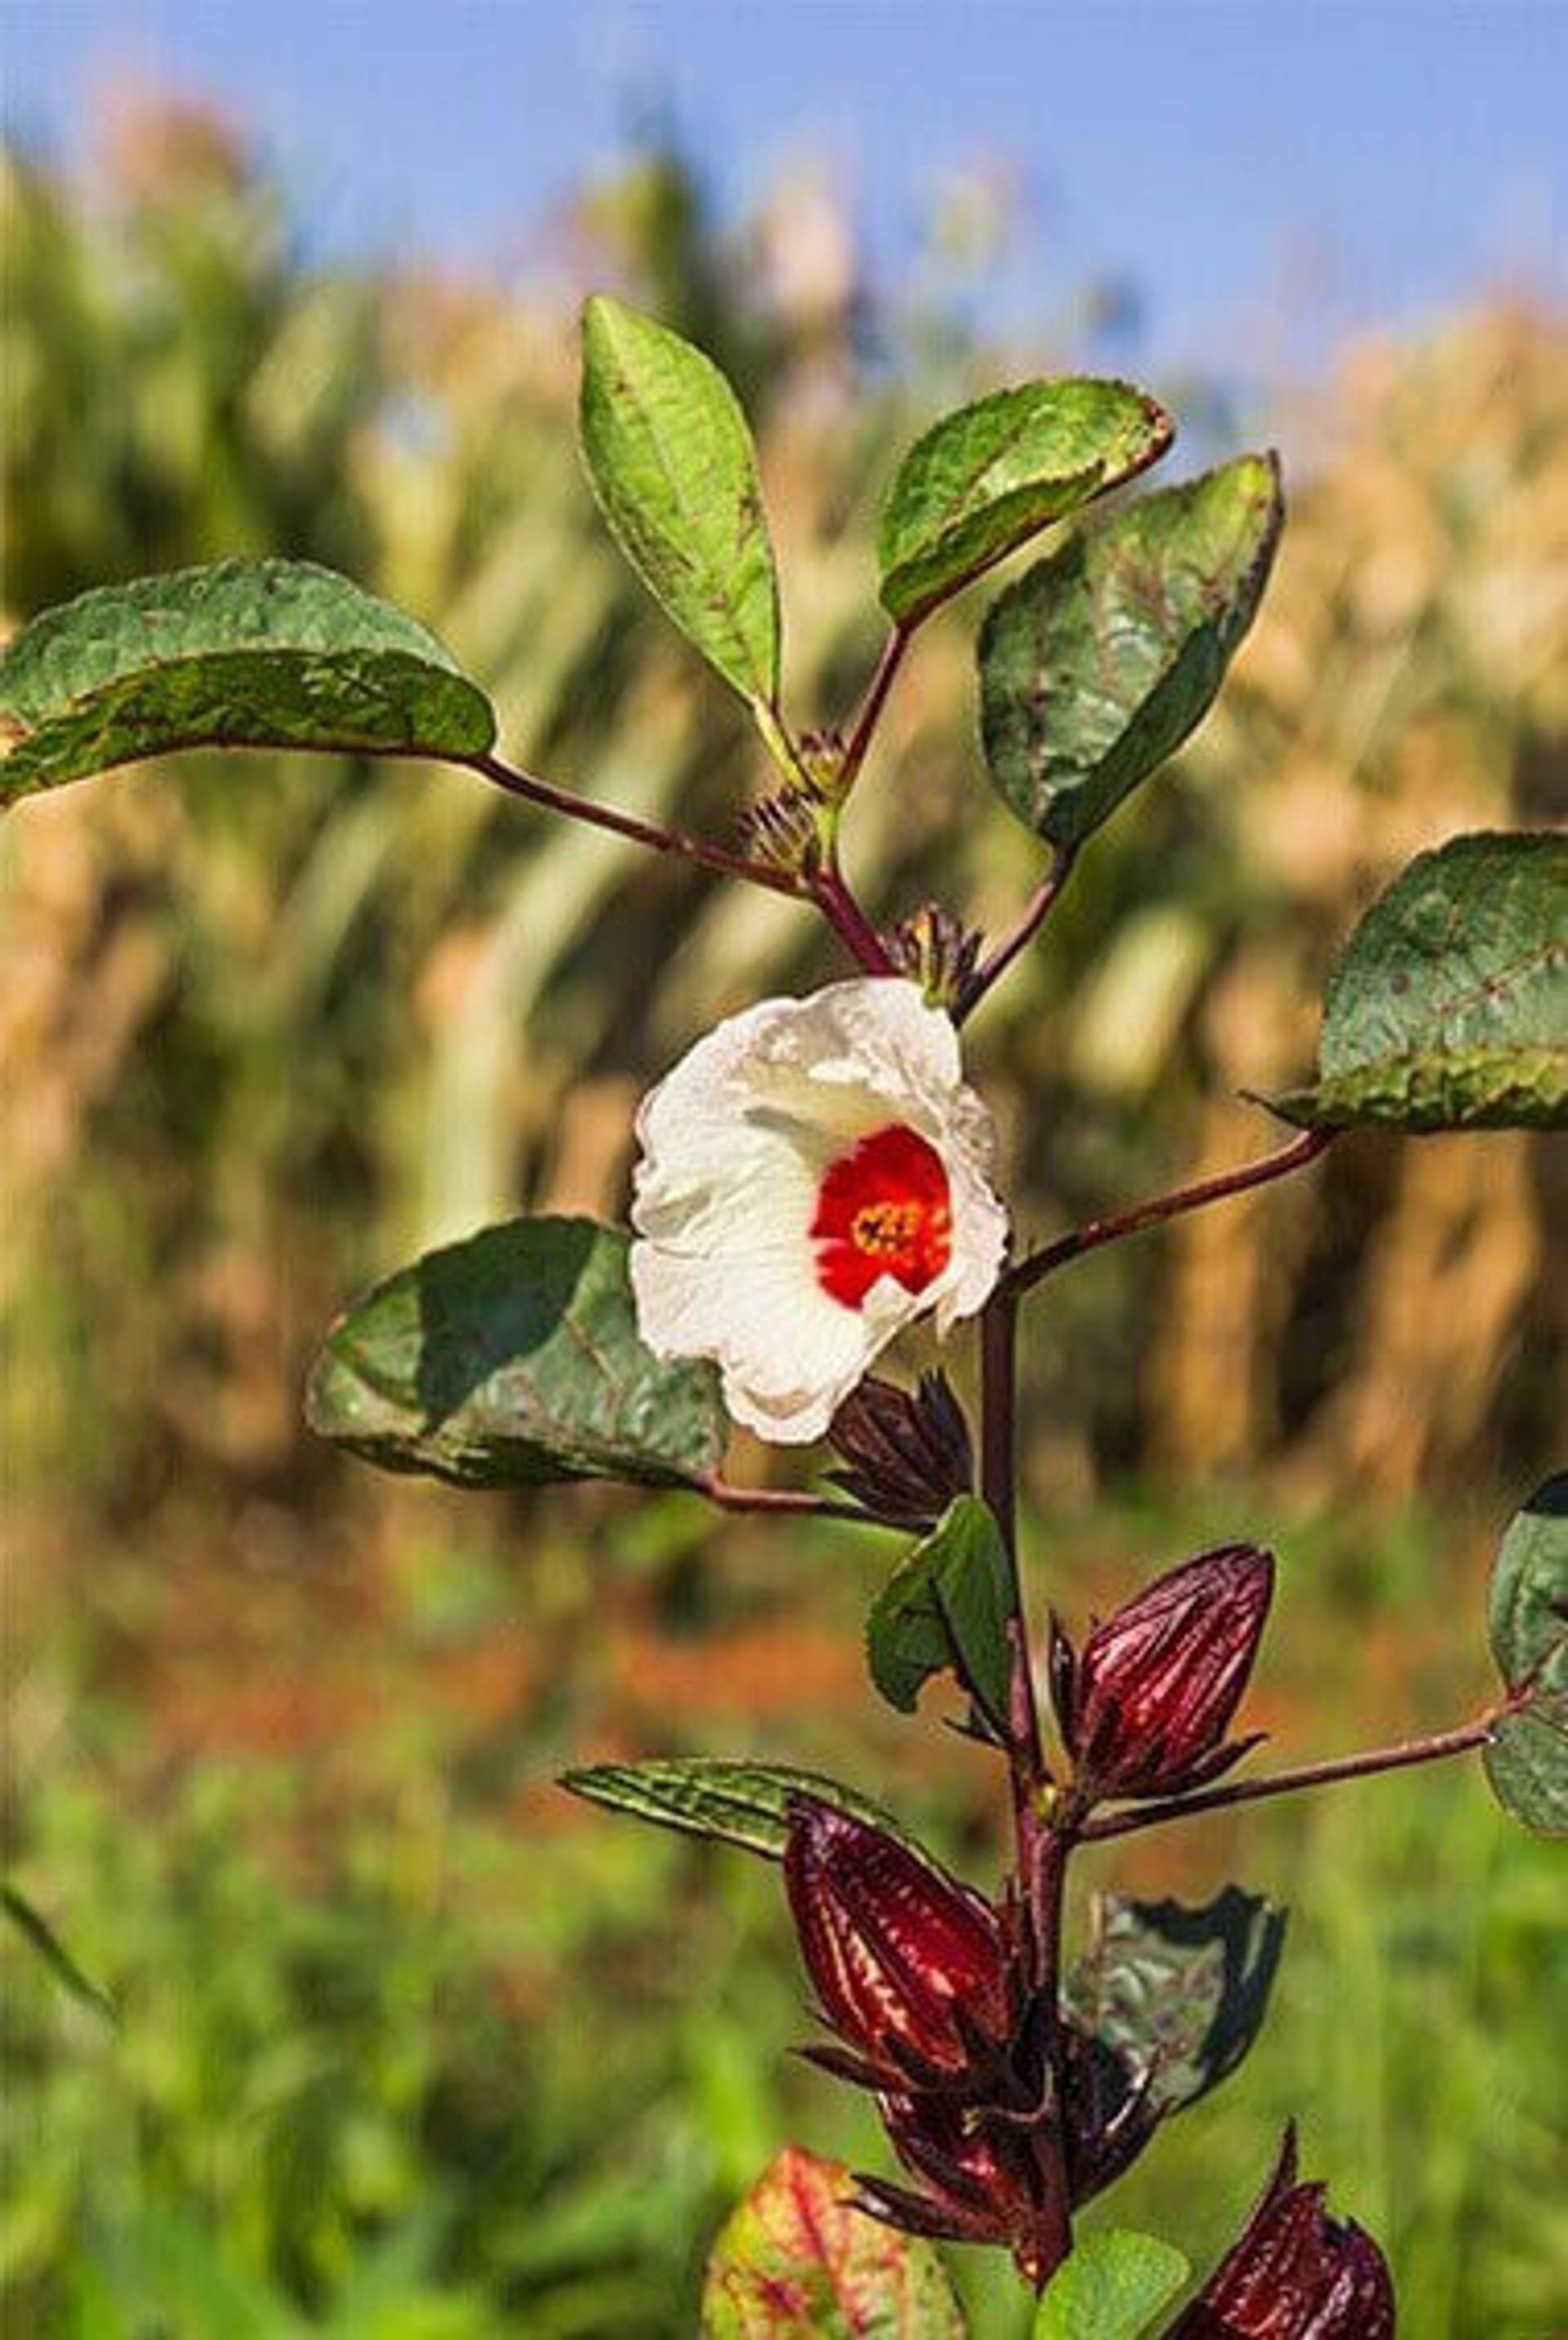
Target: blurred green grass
(409,2047)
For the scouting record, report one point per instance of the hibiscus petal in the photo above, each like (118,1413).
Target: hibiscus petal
(737,1142)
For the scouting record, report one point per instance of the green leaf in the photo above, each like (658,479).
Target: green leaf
(1181,1992)
(946,1608)
(1449,1006)
(1528,1609)
(675,473)
(983,480)
(745,1804)
(176,2272)
(1110,2288)
(1527,1757)
(797,2261)
(244,654)
(1099,662)
(37,1931)
(514,1359)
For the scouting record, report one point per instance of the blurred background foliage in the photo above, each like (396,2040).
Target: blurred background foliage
(407,2047)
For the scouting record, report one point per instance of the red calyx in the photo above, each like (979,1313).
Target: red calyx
(908,1451)
(1295,2274)
(982,2180)
(1144,1706)
(910,1966)
(986,2170)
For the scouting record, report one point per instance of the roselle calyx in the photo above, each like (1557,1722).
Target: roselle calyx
(910,1967)
(989,2167)
(1144,1707)
(1295,2274)
(980,2180)
(907,1452)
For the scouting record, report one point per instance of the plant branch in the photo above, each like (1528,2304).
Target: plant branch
(998,1485)
(1046,1895)
(1363,1766)
(828,887)
(788,1502)
(890,658)
(830,891)
(652,834)
(1032,917)
(825,886)
(1042,1850)
(1131,1222)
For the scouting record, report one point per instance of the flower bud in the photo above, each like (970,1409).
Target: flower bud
(785,830)
(938,952)
(908,1965)
(1144,1706)
(979,2181)
(956,2155)
(1296,2273)
(909,1454)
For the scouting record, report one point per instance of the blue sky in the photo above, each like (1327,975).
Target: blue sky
(1251,165)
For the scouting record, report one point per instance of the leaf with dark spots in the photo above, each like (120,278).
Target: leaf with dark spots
(799,2261)
(514,1359)
(673,465)
(1527,1756)
(1449,1006)
(244,654)
(984,478)
(1107,655)
(1180,1992)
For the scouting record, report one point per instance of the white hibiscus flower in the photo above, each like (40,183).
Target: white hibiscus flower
(815,1174)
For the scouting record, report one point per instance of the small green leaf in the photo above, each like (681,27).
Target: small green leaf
(1110,2288)
(1449,1006)
(744,1804)
(514,1359)
(1527,1764)
(244,654)
(1099,662)
(946,1608)
(983,480)
(1180,1992)
(37,1931)
(1527,1757)
(797,2261)
(675,473)
(1528,1609)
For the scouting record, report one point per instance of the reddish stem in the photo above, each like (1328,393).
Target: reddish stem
(1042,1850)
(652,834)
(824,887)
(1021,934)
(786,1503)
(828,885)
(1364,1765)
(998,1485)
(1046,1888)
(1138,1215)
(831,894)
(890,661)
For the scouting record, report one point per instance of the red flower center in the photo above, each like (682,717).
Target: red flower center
(883,1209)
